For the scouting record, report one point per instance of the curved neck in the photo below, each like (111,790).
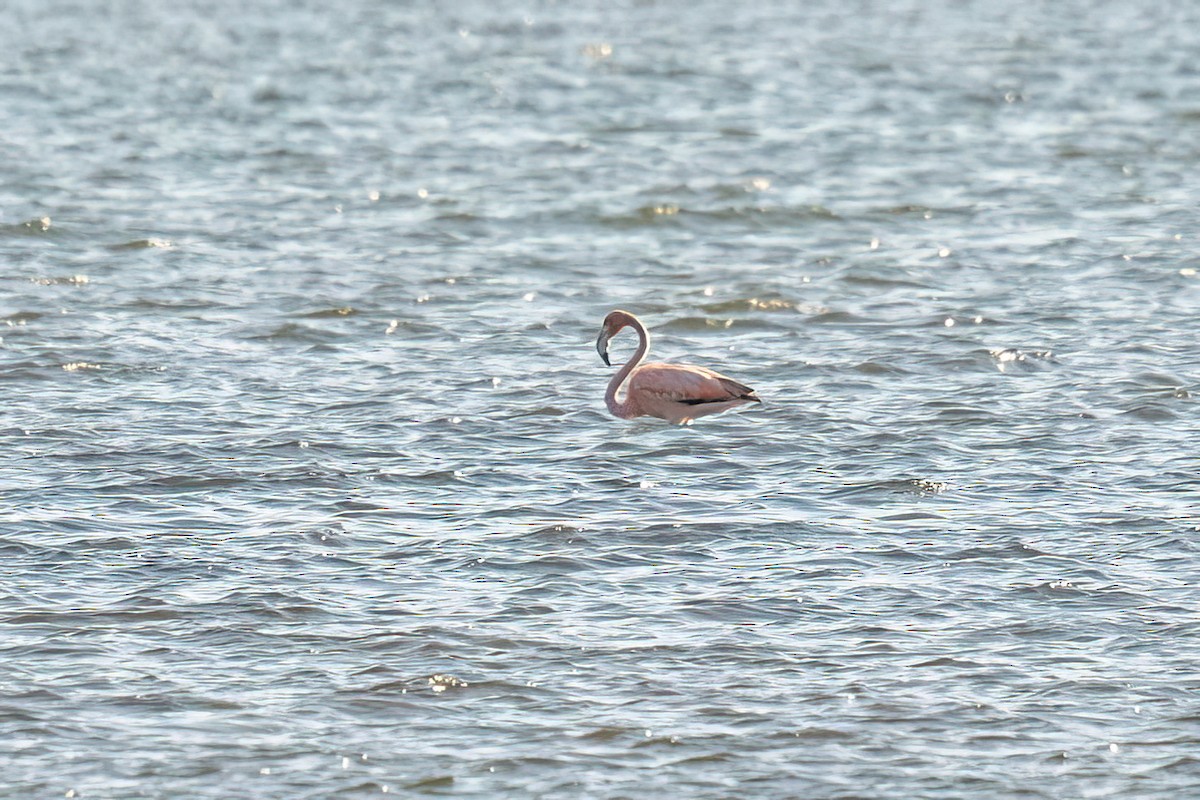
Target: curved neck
(627,408)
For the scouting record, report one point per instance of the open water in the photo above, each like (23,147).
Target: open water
(308,489)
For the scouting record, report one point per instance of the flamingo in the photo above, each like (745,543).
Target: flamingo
(678,393)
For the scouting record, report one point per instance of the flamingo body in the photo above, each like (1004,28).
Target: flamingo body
(678,393)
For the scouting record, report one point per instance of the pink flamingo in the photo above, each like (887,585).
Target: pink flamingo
(678,393)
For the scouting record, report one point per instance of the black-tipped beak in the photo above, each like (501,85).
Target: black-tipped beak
(602,347)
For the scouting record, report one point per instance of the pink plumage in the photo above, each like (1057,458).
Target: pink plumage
(678,393)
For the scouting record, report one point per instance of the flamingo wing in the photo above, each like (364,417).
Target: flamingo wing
(687,384)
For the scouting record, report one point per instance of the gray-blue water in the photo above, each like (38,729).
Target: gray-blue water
(308,486)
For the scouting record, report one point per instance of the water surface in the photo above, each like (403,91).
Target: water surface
(309,489)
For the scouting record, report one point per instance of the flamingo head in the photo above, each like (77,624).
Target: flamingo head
(614,322)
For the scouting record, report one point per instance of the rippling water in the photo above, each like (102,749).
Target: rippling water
(309,489)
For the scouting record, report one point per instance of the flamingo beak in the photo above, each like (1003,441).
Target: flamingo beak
(602,345)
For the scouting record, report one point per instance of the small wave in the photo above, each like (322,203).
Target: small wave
(822,734)
(1008,358)
(557,531)
(922,487)
(663,212)
(326,536)
(828,317)
(945,661)
(441,682)
(147,303)
(31,227)
(912,516)
(458,216)
(644,215)
(189,481)
(750,304)
(875,368)
(290,331)
(776,213)
(1152,412)
(73,280)
(926,212)
(881,282)
(118,543)
(1159,383)
(696,324)
(729,191)
(1063,588)
(605,734)
(20,318)
(1014,550)
(435,477)
(141,244)
(329,313)
(540,411)
(431,783)
(959,412)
